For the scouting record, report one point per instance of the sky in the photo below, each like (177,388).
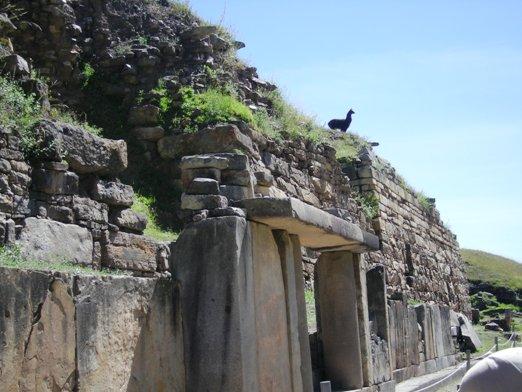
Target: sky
(438,84)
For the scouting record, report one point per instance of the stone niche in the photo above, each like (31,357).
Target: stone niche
(242,298)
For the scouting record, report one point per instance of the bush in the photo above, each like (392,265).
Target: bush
(18,111)
(483,300)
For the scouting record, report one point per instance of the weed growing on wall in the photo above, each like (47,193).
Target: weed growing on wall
(369,204)
(88,73)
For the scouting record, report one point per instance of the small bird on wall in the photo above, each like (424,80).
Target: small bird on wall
(342,125)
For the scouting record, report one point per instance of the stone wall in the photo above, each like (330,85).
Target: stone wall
(420,339)
(87,333)
(66,204)
(420,253)
(59,38)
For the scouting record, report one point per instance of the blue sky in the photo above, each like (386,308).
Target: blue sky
(438,84)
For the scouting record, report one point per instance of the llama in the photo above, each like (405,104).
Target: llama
(342,125)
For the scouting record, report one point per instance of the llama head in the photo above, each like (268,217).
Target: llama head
(350,112)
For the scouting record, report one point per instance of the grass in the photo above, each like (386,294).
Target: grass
(487,338)
(20,112)
(11,257)
(369,204)
(310,310)
(144,205)
(495,270)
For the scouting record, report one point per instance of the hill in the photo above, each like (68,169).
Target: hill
(495,270)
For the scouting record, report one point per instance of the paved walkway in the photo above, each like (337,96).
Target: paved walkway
(416,383)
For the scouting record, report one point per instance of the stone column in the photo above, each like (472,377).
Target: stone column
(337,296)
(362,314)
(299,344)
(212,260)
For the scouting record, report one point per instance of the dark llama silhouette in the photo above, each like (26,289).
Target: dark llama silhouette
(342,125)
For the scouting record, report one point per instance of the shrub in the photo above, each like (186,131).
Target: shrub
(88,73)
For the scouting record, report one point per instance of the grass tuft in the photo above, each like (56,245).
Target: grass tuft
(144,205)
(11,257)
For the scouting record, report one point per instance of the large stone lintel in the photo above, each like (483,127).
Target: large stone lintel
(316,229)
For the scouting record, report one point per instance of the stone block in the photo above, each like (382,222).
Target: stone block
(202,202)
(203,186)
(55,182)
(316,229)
(213,263)
(112,193)
(130,252)
(128,334)
(127,219)
(264,178)
(151,134)
(15,65)
(218,139)
(235,161)
(187,176)
(234,192)
(37,331)
(208,161)
(88,210)
(227,211)
(84,152)
(50,241)
(146,115)
(336,293)
(236,177)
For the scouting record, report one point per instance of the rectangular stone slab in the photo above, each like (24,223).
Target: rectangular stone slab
(316,228)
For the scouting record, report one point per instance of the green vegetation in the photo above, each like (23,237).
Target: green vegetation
(145,205)
(285,120)
(181,8)
(496,270)
(88,73)
(369,204)
(348,147)
(487,338)
(20,112)
(193,111)
(310,310)
(11,257)
(424,201)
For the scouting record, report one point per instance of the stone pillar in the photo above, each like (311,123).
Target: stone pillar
(337,296)
(212,260)
(359,270)
(299,345)
(273,339)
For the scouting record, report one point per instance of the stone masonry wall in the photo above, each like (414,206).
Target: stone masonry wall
(68,205)
(62,332)
(421,255)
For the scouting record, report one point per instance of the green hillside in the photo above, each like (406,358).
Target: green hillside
(495,270)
